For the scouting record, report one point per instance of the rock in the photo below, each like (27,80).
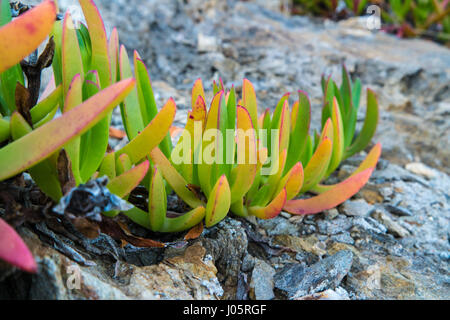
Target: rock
(343,237)
(191,276)
(337,294)
(398,211)
(278,225)
(308,244)
(335,226)
(369,224)
(261,284)
(392,226)
(357,207)
(227,243)
(296,281)
(206,43)
(331,213)
(422,169)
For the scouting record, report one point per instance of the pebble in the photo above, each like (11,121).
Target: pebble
(422,169)
(357,207)
(398,211)
(392,226)
(295,280)
(261,285)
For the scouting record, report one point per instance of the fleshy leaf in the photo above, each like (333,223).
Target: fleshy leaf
(108,166)
(72,63)
(249,101)
(123,163)
(74,98)
(113,53)
(331,198)
(338,138)
(369,163)
(272,209)
(243,175)
(369,126)
(94,142)
(45,140)
(147,100)
(4,130)
(317,166)
(218,202)
(292,181)
(157,200)
(174,179)
(47,105)
(99,40)
(13,250)
(301,115)
(197,90)
(45,173)
(152,135)
(130,108)
(24,34)
(185,221)
(123,184)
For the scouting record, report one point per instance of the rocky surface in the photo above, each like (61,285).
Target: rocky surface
(389,242)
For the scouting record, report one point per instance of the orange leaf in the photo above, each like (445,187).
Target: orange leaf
(330,198)
(23,35)
(272,209)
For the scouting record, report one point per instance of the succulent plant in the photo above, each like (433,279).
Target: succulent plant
(227,158)
(211,167)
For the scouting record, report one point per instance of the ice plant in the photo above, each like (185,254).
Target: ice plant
(229,159)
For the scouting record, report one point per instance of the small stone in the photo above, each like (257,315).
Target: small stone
(285,214)
(297,281)
(398,211)
(357,207)
(206,43)
(343,238)
(392,226)
(331,214)
(337,294)
(421,169)
(308,244)
(261,285)
(335,226)
(387,192)
(369,224)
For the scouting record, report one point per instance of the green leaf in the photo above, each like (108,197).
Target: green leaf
(152,135)
(47,105)
(157,200)
(94,142)
(45,140)
(299,135)
(45,173)
(218,202)
(99,41)
(369,126)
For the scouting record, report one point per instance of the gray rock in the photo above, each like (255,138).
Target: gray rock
(357,207)
(392,226)
(335,226)
(295,280)
(398,211)
(261,284)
